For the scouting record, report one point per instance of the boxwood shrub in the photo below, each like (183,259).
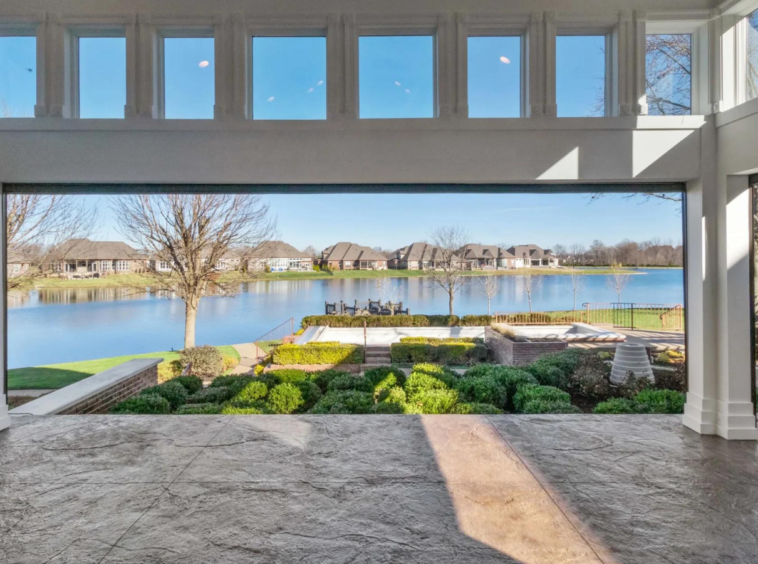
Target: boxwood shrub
(345,402)
(545,394)
(311,394)
(317,354)
(484,389)
(285,398)
(174,392)
(206,361)
(556,369)
(192,384)
(323,377)
(199,409)
(289,375)
(443,351)
(212,395)
(662,401)
(385,377)
(251,392)
(149,404)
(388,408)
(436,401)
(543,406)
(259,409)
(620,405)
(418,383)
(350,382)
(476,409)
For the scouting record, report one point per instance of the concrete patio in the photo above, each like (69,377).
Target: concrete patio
(338,489)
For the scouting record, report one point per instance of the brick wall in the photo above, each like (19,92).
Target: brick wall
(517,353)
(102,401)
(98,393)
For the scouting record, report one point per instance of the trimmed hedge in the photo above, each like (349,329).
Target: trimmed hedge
(350,382)
(441,340)
(662,401)
(318,354)
(397,321)
(385,377)
(419,383)
(436,401)
(199,409)
(192,384)
(253,391)
(442,351)
(544,406)
(212,395)
(476,409)
(619,406)
(323,377)
(311,394)
(150,404)
(485,389)
(289,375)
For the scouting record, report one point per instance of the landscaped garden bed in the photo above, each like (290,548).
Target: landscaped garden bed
(459,351)
(573,381)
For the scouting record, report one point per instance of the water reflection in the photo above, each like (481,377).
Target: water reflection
(61,325)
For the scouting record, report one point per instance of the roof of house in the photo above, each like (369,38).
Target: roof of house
(420,252)
(473,251)
(84,249)
(277,249)
(531,251)
(351,252)
(18,256)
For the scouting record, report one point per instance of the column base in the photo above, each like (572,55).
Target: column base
(736,421)
(5,419)
(700,414)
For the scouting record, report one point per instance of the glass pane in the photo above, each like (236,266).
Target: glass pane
(289,78)
(102,77)
(751,72)
(188,78)
(396,77)
(580,75)
(494,77)
(668,74)
(18,79)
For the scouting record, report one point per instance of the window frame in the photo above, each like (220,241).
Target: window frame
(27,28)
(582,28)
(507,29)
(74,33)
(698,32)
(164,32)
(274,27)
(399,26)
(741,39)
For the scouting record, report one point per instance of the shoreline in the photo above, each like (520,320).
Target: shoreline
(140,281)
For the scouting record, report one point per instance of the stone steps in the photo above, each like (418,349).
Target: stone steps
(378,355)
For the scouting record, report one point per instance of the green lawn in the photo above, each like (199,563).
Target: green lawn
(54,376)
(136,280)
(643,319)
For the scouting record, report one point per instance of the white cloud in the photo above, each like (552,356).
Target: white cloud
(505,60)
(310,90)
(203,64)
(407,91)
(397,83)
(271,99)
(319,83)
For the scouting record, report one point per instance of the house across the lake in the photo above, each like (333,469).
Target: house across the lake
(82,257)
(534,256)
(349,256)
(488,257)
(418,256)
(19,263)
(279,256)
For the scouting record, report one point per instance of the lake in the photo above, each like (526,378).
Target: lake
(63,325)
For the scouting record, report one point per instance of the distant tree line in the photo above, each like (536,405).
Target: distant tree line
(626,253)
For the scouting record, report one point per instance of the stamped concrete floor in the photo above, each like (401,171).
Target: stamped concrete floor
(364,489)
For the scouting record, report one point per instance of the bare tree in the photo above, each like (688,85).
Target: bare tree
(577,283)
(388,292)
(310,250)
(36,226)
(618,280)
(189,233)
(491,286)
(532,283)
(448,273)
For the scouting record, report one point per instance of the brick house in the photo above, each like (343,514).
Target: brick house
(349,256)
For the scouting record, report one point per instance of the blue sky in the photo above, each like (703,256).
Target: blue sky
(392,221)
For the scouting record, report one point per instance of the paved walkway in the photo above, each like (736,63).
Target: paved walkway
(332,489)
(250,354)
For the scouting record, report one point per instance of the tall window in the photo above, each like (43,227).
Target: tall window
(188,78)
(18,77)
(102,77)
(668,74)
(396,76)
(289,78)
(494,77)
(751,61)
(580,75)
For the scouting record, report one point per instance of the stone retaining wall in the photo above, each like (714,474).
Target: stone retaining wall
(98,393)
(519,353)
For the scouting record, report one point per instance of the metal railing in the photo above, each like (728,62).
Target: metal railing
(625,315)
(282,333)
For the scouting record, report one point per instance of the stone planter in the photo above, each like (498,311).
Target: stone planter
(519,353)
(631,357)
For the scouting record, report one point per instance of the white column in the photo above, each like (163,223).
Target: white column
(335,69)
(5,420)
(551,107)
(735,416)
(350,60)
(461,65)
(535,101)
(639,86)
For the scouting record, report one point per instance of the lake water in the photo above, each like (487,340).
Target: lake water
(63,325)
